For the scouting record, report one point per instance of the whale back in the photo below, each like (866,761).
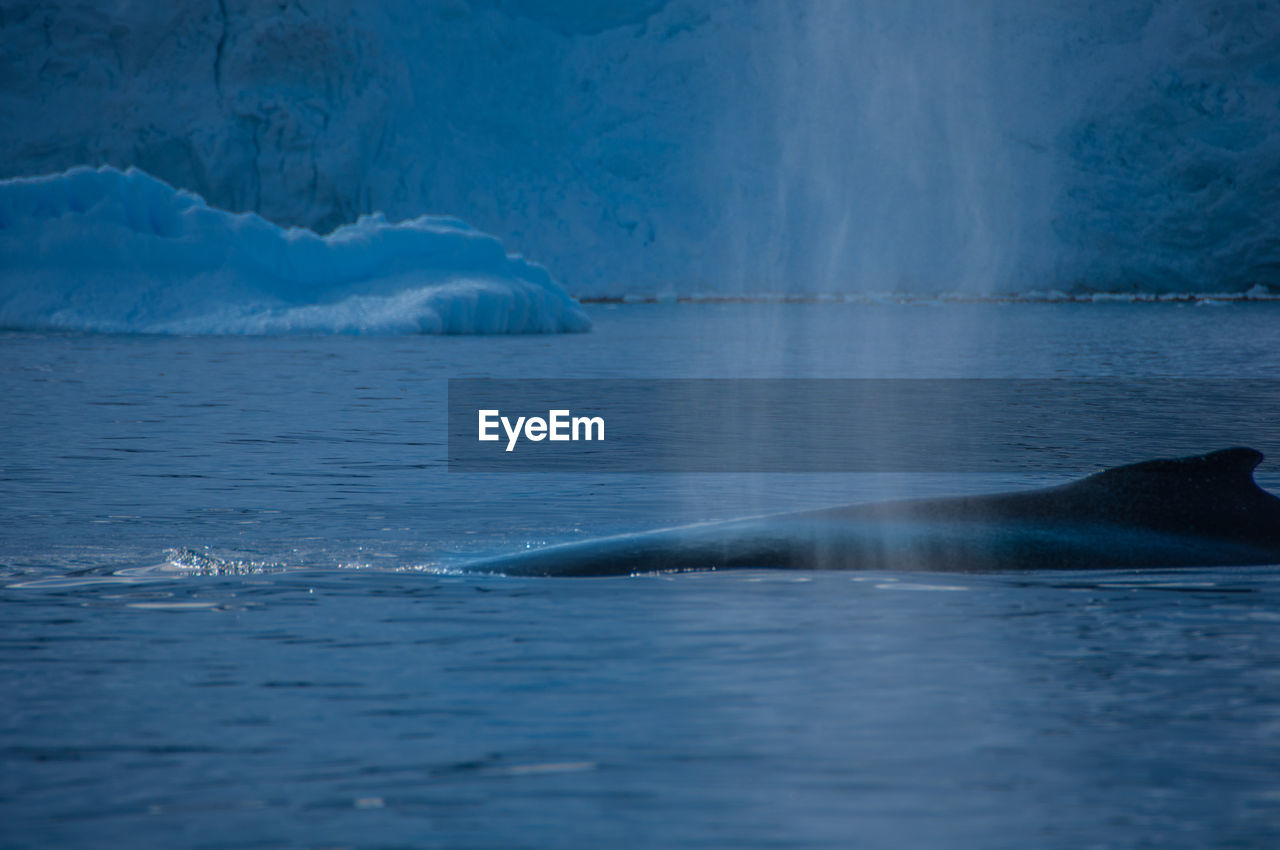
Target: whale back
(1182,512)
(1212,495)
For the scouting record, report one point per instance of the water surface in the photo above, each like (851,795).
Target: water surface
(221,627)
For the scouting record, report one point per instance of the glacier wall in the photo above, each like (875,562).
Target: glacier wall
(686,146)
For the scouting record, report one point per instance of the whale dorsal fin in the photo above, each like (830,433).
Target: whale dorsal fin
(1231,469)
(1212,494)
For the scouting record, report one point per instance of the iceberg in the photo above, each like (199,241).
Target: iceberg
(123,252)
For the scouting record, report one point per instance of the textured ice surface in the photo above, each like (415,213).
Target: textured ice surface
(106,250)
(651,146)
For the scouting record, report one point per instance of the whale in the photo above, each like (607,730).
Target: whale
(1201,511)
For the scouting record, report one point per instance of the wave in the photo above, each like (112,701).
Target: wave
(123,252)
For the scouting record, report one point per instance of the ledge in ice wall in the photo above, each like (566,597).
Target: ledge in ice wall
(695,145)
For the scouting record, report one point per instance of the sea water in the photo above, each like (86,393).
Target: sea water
(231,615)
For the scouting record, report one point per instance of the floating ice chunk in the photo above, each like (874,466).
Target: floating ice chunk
(112,251)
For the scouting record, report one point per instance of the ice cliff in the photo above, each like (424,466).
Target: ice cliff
(699,145)
(106,250)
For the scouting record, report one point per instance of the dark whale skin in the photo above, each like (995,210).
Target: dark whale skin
(1194,511)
